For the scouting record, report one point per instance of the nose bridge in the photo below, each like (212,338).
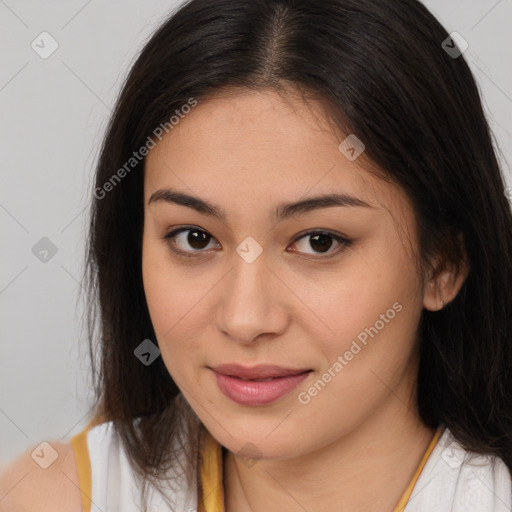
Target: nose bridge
(247,284)
(250,268)
(248,307)
(250,276)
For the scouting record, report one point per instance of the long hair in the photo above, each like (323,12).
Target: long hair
(381,68)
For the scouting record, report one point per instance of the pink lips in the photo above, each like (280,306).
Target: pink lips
(237,382)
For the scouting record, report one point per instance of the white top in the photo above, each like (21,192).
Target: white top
(452,480)
(456,480)
(114,486)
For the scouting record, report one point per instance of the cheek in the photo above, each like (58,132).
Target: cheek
(168,298)
(176,296)
(353,297)
(367,357)
(160,294)
(371,311)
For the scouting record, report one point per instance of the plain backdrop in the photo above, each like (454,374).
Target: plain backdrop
(54,112)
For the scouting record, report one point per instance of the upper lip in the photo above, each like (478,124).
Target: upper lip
(261,371)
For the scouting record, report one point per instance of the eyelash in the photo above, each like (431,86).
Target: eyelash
(169,238)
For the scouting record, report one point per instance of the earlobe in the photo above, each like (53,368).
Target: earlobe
(443,288)
(446,279)
(434,298)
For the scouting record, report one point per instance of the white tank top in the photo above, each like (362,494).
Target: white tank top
(448,479)
(107,478)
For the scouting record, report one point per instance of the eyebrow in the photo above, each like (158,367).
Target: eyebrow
(283,211)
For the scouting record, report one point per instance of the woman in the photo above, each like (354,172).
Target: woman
(301,247)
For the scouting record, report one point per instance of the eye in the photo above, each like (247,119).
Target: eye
(321,242)
(196,238)
(182,239)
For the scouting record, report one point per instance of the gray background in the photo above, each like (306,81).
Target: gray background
(54,113)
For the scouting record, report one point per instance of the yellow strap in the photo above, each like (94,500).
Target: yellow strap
(211,491)
(83,463)
(407,494)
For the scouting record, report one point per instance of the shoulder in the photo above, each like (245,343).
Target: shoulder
(43,478)
(467,480)
(456,457)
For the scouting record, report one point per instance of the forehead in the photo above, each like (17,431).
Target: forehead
(256,148)
(256,123)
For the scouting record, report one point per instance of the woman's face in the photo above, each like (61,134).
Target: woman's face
(262,286)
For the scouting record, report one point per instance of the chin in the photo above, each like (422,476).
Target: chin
(248,443)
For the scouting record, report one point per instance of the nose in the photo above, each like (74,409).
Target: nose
(252,303)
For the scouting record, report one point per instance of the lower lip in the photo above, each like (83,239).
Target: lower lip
(247,392)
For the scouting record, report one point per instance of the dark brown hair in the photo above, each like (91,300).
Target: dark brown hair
(381,68)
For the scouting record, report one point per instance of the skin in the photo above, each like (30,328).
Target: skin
(358,442)
(27,487)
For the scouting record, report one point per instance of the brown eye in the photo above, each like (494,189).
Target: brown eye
(321,242)
(197,238)
(186,241)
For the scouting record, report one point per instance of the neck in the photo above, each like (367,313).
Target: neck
(367,469)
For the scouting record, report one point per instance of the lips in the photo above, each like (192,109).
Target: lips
(259,385)
(257,373)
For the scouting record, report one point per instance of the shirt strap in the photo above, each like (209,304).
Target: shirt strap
(83,463)
(407,494)
(210,488)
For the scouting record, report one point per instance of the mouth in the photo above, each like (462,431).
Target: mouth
(258,385)
(257,373)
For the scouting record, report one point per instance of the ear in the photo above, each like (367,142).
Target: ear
(445,282)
